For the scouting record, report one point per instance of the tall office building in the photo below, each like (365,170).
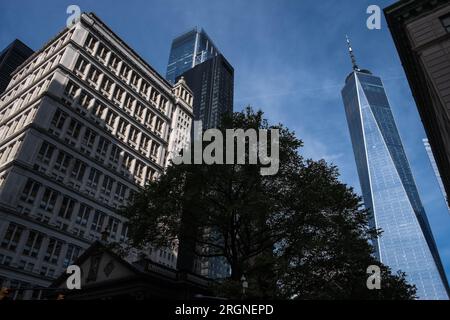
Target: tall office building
(187,51)
(421,31)
(212,83)
(388,186)
(85,122)
(426,143)
(196,60)
(10,58)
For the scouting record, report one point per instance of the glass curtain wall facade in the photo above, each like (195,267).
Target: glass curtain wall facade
(10,59)
(188,50)
(212,84)
(388,187)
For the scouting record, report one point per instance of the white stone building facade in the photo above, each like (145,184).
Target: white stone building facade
(84,123)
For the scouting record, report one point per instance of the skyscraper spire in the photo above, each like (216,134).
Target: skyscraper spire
(352,56)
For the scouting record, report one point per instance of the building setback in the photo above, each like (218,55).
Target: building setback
(212,83)
(84,123)
(10,58)
(188,50)
(388,186)
(421,32)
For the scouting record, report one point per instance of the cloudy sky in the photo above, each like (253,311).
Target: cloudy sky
(290,59)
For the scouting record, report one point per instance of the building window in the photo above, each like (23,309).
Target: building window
(154,95)
(58,119)
(129,104)
(83,215)
(105,87)
(27,266)
(90,43)
(89,138)
(30,191)
(71,90)
(110,118)
(98,109)
(97,221)
(145,143)
(81,66)
(126,161)
(139,169)
(113,225)
(135,80)
(123,232)
(93,75)
(163,104)
(62,162)
(113,62)
(85,99)
(119,194)
(118,93)
(122,129)
(48,200)
(149,119)
(33,244)
(45,152)
(12,237)
(115,154)
(78,170)
(154,151)
(133,135)
(159,126)
(139,111)
(74,129)
(125,71)
(107,185)
(144,88)
(102,147)
(53,251)
(446,22)
(66,209)
(102,52)
(71,255)
(94,176)
(150,174)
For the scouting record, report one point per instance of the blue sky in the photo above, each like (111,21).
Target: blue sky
(290,59)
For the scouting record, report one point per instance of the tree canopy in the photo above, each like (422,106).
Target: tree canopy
(298,234)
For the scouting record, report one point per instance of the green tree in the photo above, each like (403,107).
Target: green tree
(298,234)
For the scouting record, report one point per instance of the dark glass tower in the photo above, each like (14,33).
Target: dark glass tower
(388,186)
(187,51)
(208,74)
(212,83)
(10,58)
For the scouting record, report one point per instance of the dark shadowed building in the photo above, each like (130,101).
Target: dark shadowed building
(107,276)
(421,31)
(208,74)
(212,84)
(10,58)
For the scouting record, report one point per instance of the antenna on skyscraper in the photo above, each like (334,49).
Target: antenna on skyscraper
(352,55)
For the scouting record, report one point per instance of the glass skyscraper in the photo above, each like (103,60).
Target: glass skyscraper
(210,76)
(388,186)
(212,84)
(188,50)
